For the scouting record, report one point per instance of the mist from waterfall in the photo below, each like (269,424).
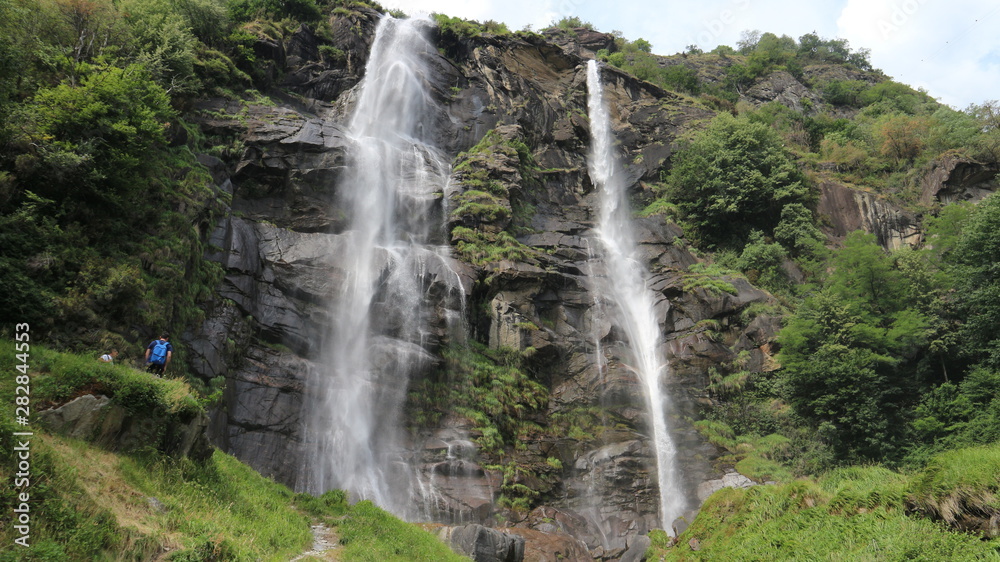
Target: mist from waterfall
(625,286)
(391,193)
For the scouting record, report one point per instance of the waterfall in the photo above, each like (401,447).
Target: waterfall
(381,319)
(625,286)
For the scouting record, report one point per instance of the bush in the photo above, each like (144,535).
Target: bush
(732,178)
(249,10)
(763,262)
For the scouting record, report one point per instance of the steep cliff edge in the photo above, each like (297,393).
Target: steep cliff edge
(585,470)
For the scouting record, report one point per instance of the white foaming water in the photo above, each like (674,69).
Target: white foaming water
(626,286)
(381,319)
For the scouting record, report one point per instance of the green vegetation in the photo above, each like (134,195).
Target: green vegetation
(490,388)
(91,504)
(889,359)
(709,276)
(104,209)
(569,23)
(732,178)
(494,390)
(369,534)
(859,513)
(58,377)
(454,28)
(494,207)
(886,363)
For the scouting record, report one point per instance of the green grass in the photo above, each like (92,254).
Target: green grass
(484,248)
(839,518)
(369,534)
(58,377)
(854,513)
(961,487)
(88,503)
(709,277)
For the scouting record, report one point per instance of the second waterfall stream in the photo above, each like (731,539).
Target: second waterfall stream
(625,288)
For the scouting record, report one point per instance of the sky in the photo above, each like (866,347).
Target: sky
(951,48)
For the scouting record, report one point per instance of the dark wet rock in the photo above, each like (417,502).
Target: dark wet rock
(483,544)
(636,549)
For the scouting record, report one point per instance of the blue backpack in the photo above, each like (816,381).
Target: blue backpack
(159,355)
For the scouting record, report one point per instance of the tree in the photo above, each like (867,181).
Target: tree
(797,232)
(89,145)
(987,115)
(978,255)
(748,41)
(762,263)
(642,45)
(901,137)
(850,352)
(732,178)
(837,382)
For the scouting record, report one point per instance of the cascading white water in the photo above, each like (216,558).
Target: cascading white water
(626,286)
(391,193)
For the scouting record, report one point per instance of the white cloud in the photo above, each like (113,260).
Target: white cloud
(947,48)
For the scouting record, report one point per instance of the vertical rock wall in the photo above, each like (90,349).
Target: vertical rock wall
(280,244)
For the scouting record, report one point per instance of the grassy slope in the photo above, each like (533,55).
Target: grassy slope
(91,504)
(857,513)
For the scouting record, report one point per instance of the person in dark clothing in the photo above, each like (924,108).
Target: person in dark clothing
(158,355)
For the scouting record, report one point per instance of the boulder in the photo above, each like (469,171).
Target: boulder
(483,544)
(97,419)
(637,549)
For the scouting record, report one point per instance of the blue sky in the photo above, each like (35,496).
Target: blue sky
(950,48)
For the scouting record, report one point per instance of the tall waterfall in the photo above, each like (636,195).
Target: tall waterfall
(625,286)
(381,318)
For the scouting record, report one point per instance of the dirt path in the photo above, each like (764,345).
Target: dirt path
(325,545)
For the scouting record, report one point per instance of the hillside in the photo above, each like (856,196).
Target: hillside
(379,249)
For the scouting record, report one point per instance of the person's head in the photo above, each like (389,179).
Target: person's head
(114,353)
(165,336)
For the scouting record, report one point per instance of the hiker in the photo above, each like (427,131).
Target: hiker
(158,354)
(109,357)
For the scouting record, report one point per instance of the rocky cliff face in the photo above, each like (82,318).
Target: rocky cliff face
(282,241)
(846,210)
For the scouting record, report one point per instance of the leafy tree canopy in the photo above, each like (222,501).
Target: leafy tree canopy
(732,178)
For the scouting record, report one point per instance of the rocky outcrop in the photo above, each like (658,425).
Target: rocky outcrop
(731,479)
(97,419)
(581,41)
(783,88)
(483,544)
(846,210)
(282,244)
(955,178)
